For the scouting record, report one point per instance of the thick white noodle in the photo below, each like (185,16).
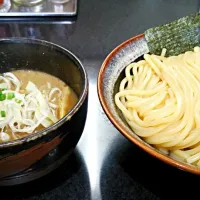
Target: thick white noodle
(160,100)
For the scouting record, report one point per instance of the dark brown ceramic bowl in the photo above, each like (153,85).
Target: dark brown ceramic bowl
(24,154)
(110,75)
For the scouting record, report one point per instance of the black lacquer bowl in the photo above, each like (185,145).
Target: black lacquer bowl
(34,156)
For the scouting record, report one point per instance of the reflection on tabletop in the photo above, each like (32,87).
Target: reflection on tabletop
(57,181)
(37,30)
(142,172)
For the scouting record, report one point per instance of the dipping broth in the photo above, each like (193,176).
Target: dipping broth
(31,101)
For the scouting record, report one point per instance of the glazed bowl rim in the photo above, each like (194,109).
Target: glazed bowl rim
(69,115)
(152,151)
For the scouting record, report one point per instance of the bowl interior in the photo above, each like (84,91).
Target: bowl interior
(42,56)
(110,75)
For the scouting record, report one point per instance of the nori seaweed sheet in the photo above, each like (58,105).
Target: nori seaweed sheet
(177,37)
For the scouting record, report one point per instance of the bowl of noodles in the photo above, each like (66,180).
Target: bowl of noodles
(43,107)
(153,100)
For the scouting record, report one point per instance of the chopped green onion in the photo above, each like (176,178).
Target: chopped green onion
(2,97)
(10,95)
(48,119)
(3,114)
(18,100)
(2,89)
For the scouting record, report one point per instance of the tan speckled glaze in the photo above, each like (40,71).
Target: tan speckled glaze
(108,79)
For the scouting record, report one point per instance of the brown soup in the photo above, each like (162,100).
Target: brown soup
(62,100)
